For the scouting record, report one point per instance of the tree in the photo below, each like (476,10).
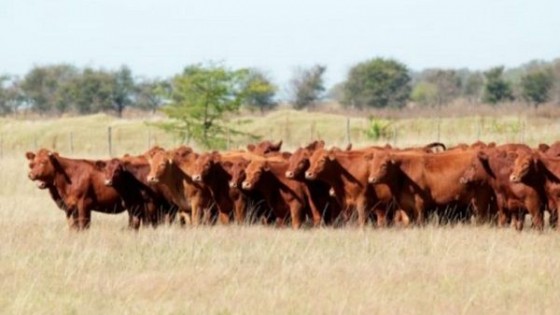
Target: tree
(447,84)
(307,86)
(472,87)
(200,100)
(123,89)
(496,89)
(42,85)
(259,91)
(91,92)
(536,86)
(11,96)
(377,83)
(150,94)
(424,93)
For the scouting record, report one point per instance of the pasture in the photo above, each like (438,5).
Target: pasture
(46,269)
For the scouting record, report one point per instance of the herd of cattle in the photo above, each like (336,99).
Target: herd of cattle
(484,183)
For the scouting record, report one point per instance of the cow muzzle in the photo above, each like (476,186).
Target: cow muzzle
(310,175)
(289,174)
(514,178)
(246,185)
(108,182)
(41,184)
(232,184)
(197,178)
(373,180)
(153,179)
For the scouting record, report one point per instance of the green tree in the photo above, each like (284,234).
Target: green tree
(123,89)
(200,100)
(425,93)
(472,87)
(150,94)
(41,87)
(496,89)
(11,97)
(92,91)
(306,86)
(447,84)
(536,86)
(377,83)
(259,91)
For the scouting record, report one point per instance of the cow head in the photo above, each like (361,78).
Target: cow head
(160,163)
(203,164)
(42,167)
(236,169)
(479,169)
(112,170)
(522,166)
(318,162)
(298,163)
(253,173)
(379,165)
(264,147)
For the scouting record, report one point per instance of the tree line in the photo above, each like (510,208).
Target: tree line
(375,83)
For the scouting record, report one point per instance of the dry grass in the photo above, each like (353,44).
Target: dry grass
(45,269)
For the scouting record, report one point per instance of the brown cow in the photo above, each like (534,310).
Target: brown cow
(264,147)
(346,173)
(534,169)
(493,166)
(320,191)
(128,177)
(169,169)
(80,185)
(423,181)
(284,196)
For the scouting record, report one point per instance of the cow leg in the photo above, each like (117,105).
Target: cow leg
(381,216)
(518,218)
(72,219)
(296,215)
(361,209)
(534,209)
(84,215)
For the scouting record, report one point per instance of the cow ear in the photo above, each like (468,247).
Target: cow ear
(331,155)
(393,159)
(215,157)
(286,155)
(100,164)
(543,147)
(250,147)
(482,155)
(368,156)
(349,147)
(278,145)
(227,165)
(30,155)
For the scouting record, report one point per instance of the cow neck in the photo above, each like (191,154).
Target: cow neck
(63,167)
(550,167)
(274,177)
(174,179)
(56,196)
(278,170)
(345,168)
(217,180)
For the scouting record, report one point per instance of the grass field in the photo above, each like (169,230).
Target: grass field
(45,269)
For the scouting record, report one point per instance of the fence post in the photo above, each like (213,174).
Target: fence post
(438,129)
(1,146)
(71,143)
(149,138)
(347,130)
(110,141)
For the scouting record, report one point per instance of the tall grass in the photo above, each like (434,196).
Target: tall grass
(46,269)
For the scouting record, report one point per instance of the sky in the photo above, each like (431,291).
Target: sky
(159,38)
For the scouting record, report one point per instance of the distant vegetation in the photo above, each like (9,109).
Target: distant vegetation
(203,98)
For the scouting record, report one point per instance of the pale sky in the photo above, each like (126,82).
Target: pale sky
(159,38)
